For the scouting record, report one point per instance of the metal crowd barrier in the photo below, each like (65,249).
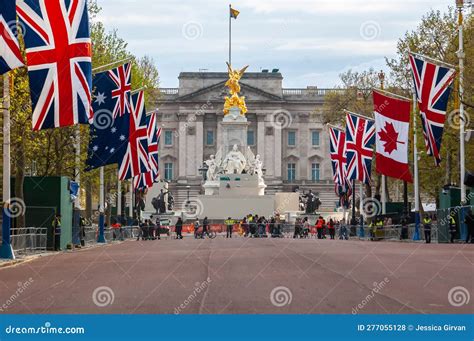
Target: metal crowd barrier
(29,239)
(394,232)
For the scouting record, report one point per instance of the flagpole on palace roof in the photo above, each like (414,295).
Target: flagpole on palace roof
(6,249)
(230,34)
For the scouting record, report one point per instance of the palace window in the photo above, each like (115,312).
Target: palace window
(168,138)
(168,171)
(315,138)
(292,138)
(210,138)
(250,138)
(291,172)
(315,172)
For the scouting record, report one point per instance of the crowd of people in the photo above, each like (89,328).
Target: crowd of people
(255,226)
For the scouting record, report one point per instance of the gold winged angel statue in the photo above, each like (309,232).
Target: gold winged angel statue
(234,89)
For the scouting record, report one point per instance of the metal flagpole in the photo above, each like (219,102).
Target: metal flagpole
(361,209)
(77,178)
(384,178)
(6,249)
(462,121)
(119,201)
(101,237)
(416,235)
(130,208)
(230,35)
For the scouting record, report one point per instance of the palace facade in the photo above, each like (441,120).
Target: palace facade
(285,128)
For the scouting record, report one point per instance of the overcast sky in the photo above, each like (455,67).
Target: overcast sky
(310,41)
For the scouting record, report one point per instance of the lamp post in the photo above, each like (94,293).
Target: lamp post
(462,122)
(381,76)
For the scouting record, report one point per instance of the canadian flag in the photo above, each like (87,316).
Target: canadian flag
(392,124)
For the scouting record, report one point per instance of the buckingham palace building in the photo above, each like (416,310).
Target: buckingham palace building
(285,128)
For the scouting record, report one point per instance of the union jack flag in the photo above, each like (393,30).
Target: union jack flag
(122,79)
(10,55)
(58,52)
(360,137)
(154,133)
(135,160)
(432,86)
(337,143)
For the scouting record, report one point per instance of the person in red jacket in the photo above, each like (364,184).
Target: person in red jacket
(320,226)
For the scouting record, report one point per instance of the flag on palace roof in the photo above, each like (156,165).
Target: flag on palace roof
(135,159)
(108,132)
(234,13)
(10,55)
(392,124)
(58,53)
(147,179)
(360,138)
(432,85)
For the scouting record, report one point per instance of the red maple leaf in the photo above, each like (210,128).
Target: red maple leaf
(389,136)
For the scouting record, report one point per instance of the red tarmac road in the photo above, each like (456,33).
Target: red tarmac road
(245,276)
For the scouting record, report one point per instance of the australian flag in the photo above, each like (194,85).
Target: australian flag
(108,135)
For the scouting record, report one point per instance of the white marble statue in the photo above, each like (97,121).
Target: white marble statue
(234,162)
(212,168)
(258,167)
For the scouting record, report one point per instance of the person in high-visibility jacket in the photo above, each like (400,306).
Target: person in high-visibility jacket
(452,227)
(427,228)
(229,223)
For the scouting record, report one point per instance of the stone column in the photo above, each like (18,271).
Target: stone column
(278,146)
(182,150)
(261,136)
(199,157)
